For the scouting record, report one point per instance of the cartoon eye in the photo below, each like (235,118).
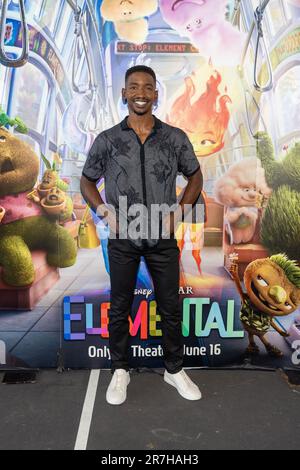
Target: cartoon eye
(288,306)
(207,142)
(189,27)
(2,138)
(198,21)
(261,281)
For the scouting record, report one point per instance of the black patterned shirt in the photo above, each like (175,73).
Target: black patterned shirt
(144,173)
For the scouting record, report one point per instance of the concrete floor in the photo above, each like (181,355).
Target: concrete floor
(240,410)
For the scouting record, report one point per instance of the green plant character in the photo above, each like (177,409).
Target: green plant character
(280,226)
(24,226)
(272,290)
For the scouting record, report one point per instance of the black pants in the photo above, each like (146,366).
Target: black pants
(163,264)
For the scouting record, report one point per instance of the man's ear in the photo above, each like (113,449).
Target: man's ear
(124,99)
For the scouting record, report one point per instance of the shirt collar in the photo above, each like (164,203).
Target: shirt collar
(125,127)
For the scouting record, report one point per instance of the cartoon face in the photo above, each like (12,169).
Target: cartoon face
(247,194)
(55,197)
(204,120)
(127,10)
(19,165)
(189,16)
(269,288)
(243,185)
(49,179)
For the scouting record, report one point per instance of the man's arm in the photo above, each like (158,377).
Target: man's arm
(193,189)
(93,171)
(93,198)
(190,196)
(90,193)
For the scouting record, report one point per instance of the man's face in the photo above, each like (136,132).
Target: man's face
(140,93)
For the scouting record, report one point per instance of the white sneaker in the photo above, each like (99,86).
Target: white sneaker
(117,390)
(184,385)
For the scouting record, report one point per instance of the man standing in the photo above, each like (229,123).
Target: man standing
(140,159)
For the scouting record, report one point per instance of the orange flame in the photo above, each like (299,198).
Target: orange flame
(206,120)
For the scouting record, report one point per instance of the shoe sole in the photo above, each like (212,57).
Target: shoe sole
(187,397)
(118,403)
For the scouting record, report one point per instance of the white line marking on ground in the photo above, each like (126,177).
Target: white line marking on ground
(87,411)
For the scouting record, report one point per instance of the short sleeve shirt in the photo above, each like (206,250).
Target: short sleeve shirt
(144,173)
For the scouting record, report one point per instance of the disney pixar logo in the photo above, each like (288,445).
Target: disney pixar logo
(296,355)
(2,353)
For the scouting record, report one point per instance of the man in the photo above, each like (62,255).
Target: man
(140,159)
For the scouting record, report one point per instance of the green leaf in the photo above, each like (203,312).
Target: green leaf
(46,161)
(20,126)
(3,121)
(62,185)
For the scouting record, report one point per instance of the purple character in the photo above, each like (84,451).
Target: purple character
(204,23)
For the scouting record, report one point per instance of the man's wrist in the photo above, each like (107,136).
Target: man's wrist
(102,211)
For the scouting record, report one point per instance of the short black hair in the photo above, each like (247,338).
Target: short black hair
(140,68)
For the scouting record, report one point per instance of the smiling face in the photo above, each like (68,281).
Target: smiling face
(19,165)
(243,185)
(190,16)
(55,197)
(141,93)
(269,289)
(247,195)
(127,10)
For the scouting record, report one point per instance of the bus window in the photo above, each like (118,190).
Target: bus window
(287,94)
(81,71)
(31,92)
(267,110)
(35,9)
(82,75)
(56,136)
(53,129)
(5,74)
(276,18)
(256,3)
(63,29)
(30,141)
(49,14)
